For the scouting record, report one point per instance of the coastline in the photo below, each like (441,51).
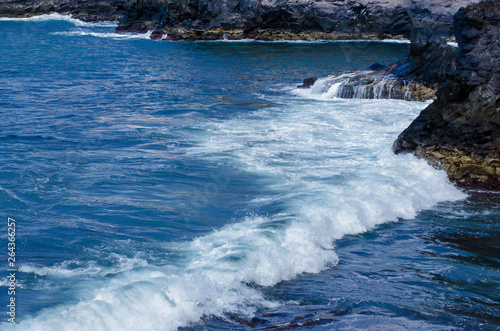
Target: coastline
(184,185)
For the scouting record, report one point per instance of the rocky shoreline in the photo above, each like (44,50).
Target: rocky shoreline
(190,34)
(255,19)
(288,20)
(460,131)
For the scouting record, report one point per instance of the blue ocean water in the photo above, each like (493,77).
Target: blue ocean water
(190,185)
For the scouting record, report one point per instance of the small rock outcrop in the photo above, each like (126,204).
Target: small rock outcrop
(308,82)
(288,19)
(460,131)
(414,78)
(87,10)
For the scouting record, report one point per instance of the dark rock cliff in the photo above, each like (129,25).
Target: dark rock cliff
(460,131)
(429,60)
(289,19)
(87,10)
(258,19)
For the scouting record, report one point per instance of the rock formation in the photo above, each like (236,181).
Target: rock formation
(288,19)
(257,19)
(414,78)
(460,131)
(87,10)
(429,60)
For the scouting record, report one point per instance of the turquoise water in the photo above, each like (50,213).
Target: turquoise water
(165,185)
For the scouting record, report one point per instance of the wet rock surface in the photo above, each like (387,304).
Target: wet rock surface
(308,82)
(376,86)
(460,131)
(429,60)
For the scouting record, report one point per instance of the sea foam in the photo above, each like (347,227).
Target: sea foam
(329,165)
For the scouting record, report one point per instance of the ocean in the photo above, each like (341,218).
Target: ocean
(192,186)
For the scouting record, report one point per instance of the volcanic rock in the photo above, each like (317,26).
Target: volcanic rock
(460,131)
(289,19)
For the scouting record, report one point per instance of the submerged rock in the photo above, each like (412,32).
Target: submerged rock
(308,82)
(460,131)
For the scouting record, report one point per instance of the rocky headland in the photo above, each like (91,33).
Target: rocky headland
(460,131)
